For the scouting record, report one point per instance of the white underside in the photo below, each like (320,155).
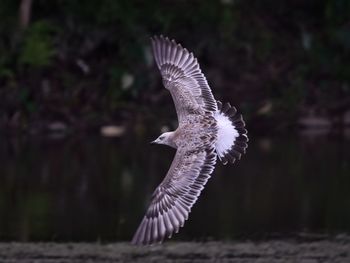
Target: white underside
(227,134)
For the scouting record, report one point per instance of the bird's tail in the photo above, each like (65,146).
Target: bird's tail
(232,136)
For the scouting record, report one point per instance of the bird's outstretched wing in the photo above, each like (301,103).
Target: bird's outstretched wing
(183,78)
(174,197)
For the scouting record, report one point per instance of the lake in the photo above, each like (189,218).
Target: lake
(91,188)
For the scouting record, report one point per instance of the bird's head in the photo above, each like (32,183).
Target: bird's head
(166,138)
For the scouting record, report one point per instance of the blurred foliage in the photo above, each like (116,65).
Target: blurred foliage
(37,50)
(73,58)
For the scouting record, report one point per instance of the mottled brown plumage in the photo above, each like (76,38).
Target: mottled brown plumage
(196,140)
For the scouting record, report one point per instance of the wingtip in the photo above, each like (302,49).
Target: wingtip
(161,37)
(135,241)
(156,37)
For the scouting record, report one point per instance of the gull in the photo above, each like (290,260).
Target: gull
(207,129)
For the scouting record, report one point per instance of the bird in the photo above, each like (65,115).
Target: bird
(207,130)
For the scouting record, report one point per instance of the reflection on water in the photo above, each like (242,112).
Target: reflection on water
(93,188)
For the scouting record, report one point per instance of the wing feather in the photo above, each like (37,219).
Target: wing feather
(183,77)
(173,51)
(173,199)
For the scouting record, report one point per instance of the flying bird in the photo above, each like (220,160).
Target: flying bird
(207,130)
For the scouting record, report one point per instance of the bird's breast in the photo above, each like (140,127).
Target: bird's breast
(197,132)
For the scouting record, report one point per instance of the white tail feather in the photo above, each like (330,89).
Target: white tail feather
(227,134)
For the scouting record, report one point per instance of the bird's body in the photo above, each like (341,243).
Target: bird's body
(199,131)
(207,129)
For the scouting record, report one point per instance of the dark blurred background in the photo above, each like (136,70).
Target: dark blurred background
(73,70)
(88,63)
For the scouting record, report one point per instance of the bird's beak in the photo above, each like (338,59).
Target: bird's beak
(153,142)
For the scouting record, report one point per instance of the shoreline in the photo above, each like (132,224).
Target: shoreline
(281,250)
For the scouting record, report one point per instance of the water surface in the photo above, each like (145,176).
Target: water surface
(92,188)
